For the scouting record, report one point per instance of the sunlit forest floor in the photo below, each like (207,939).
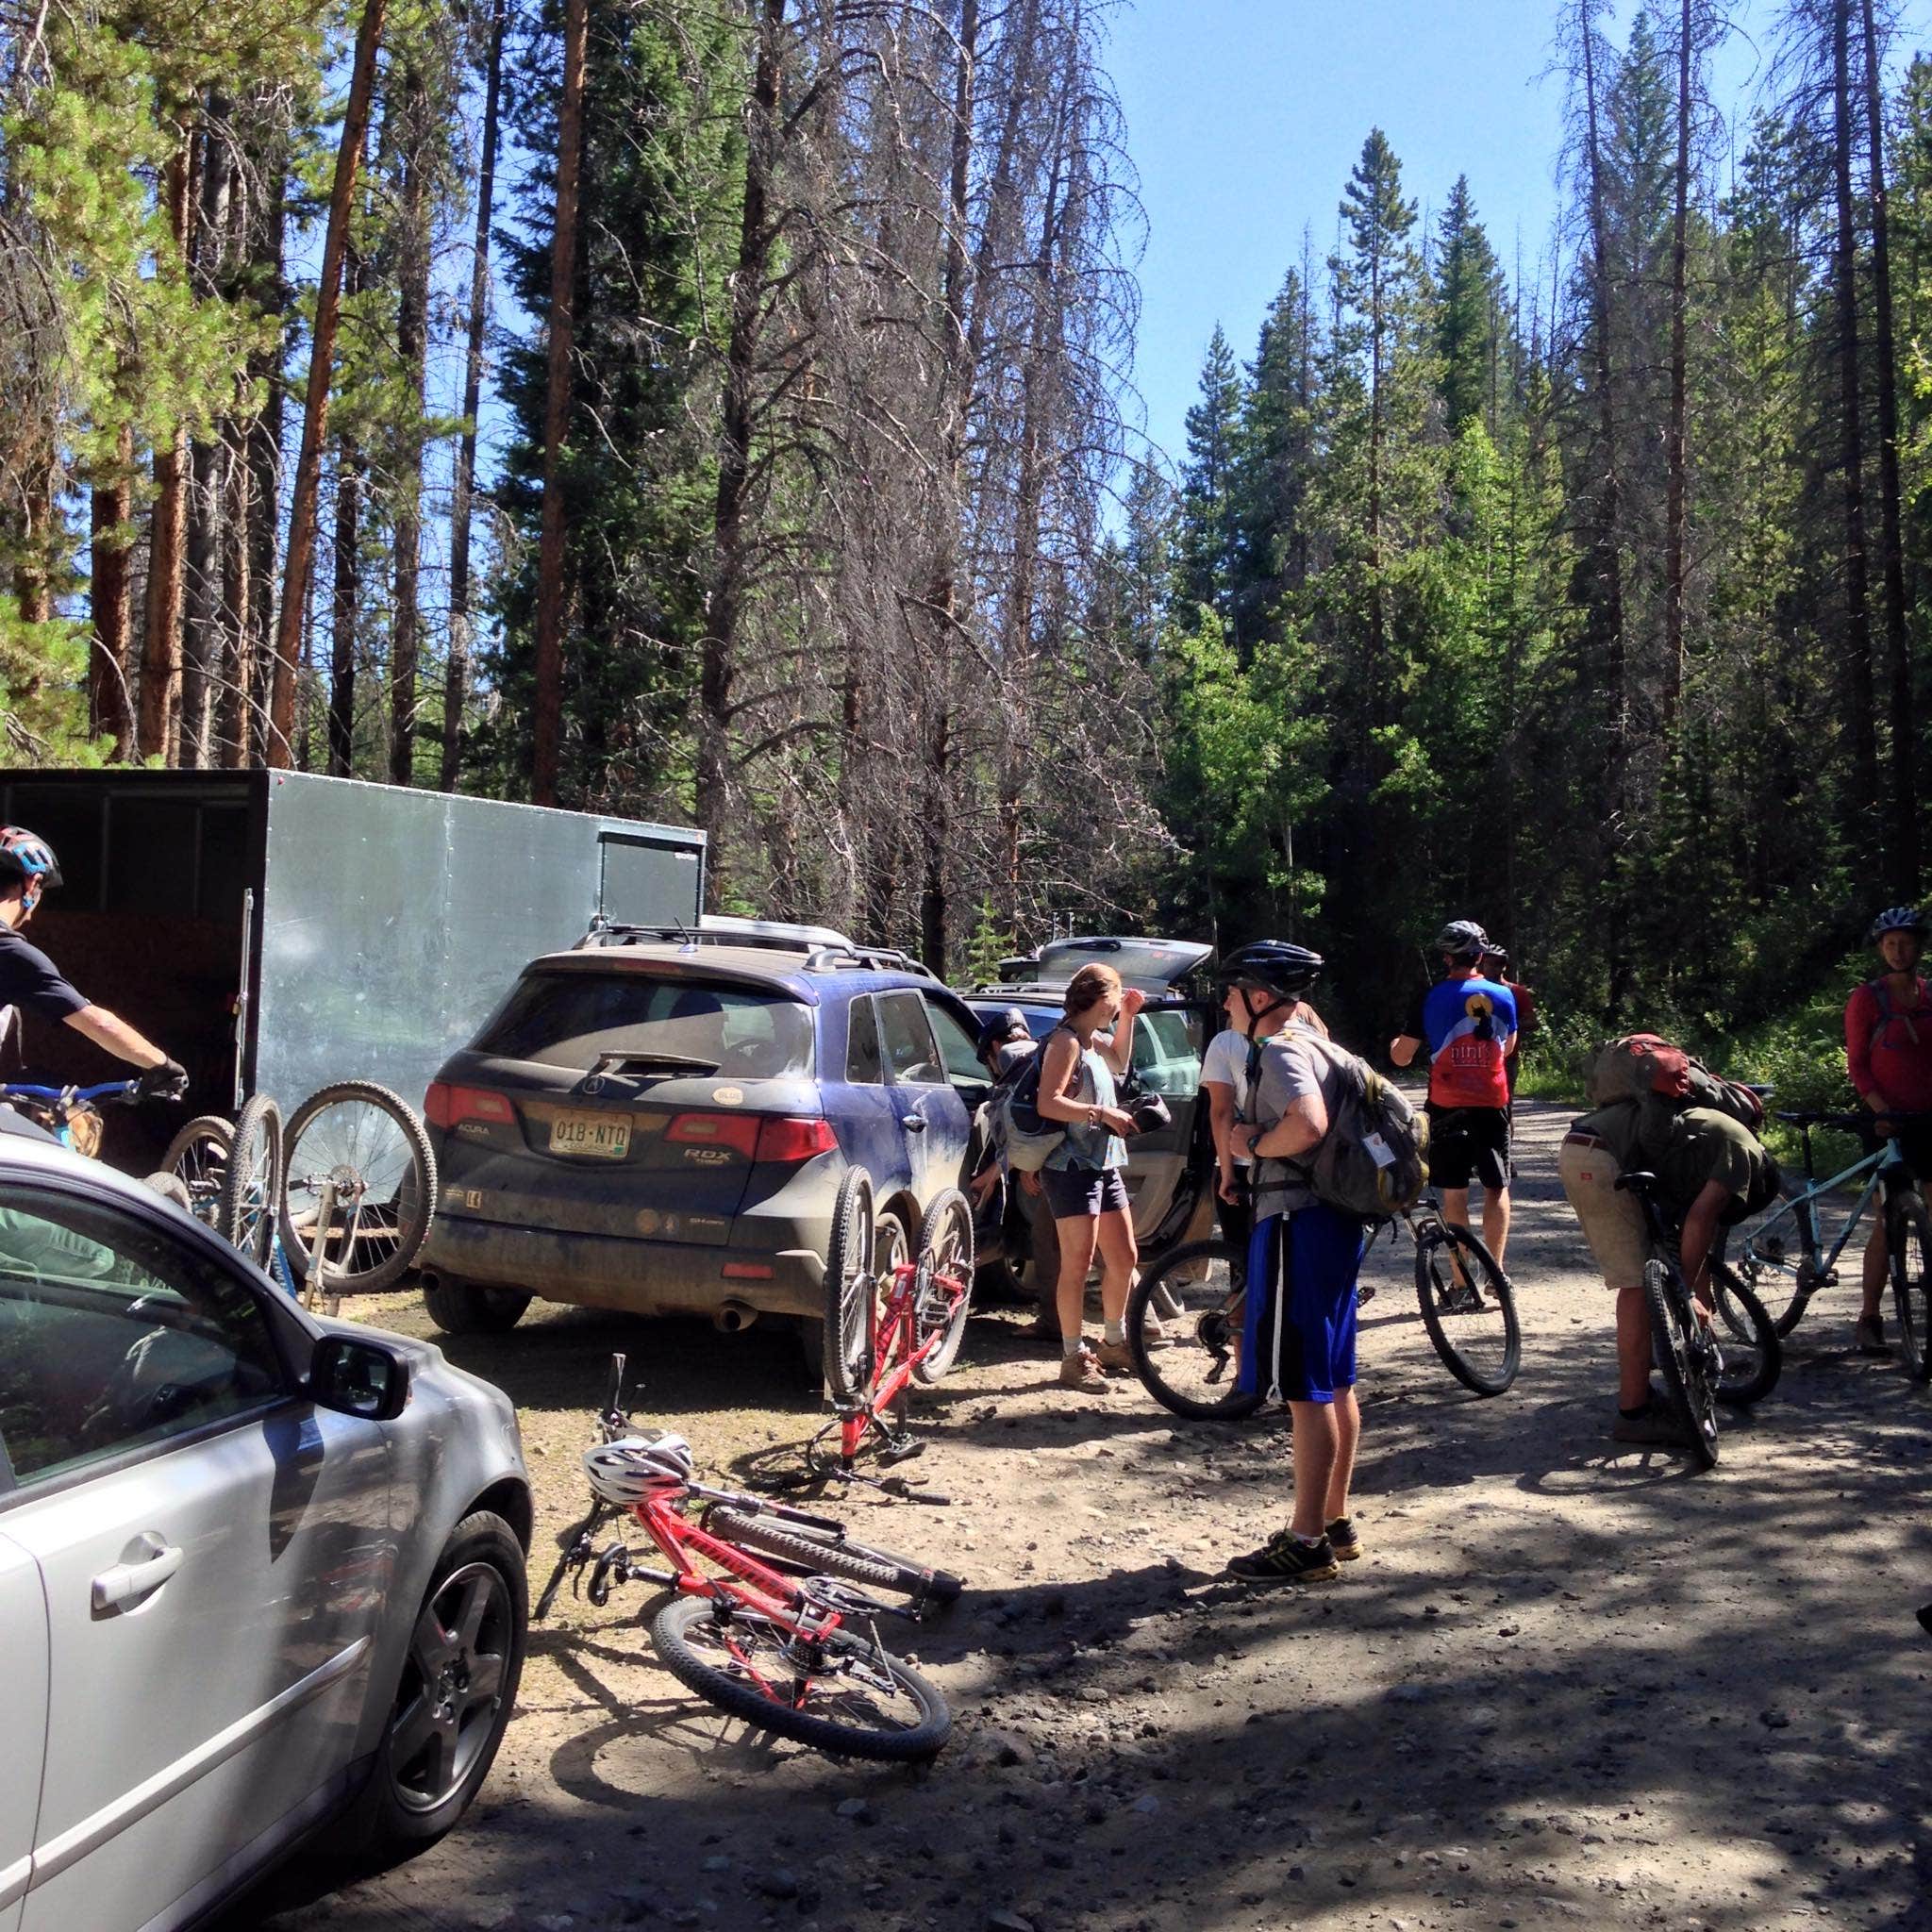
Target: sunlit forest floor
(1567,1684)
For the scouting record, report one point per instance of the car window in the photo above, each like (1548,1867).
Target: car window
(576,1019)
(113,1337)
(864,1065)
(958,1049)
(1164,1054)
(910,1051)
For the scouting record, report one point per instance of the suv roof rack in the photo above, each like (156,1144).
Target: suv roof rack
(848,957)
(823,949)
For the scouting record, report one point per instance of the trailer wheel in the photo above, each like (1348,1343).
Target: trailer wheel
(468,1307)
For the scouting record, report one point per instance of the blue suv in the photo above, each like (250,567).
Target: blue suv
(658,1122)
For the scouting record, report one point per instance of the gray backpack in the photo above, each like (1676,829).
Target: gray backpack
(1374,1161)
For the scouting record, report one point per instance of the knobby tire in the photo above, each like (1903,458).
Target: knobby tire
(850,1296)
(1486,1364)
(250,1189)
(1754,1356)
(944,1248)
(1908,1259)
(686,1626)
(410,1208)
(1677,1361)
(1195,1375)
(825,1553)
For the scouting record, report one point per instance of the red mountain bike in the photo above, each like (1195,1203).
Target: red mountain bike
(887,1330)
(781,1639)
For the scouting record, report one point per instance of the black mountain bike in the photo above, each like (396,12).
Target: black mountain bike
(1736,1360)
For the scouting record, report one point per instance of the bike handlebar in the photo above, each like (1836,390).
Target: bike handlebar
(125,1090)
(1851,1121)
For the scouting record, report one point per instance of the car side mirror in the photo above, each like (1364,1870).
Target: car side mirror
(359,1377)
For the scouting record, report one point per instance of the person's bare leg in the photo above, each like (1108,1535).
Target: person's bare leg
(1873,1269)
(1348,1432)
(1316,1445)
(1496,1221)
(1077,1234)
(1455,1206)
(1633,1348)
(1117,1257)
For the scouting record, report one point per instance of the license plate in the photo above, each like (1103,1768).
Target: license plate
(595,1136)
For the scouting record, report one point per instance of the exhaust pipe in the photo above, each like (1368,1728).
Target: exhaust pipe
(732,1317)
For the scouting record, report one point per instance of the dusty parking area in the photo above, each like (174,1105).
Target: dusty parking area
(1565,1686)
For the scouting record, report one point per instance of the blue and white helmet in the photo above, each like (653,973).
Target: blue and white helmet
(27,856)
(1897,919)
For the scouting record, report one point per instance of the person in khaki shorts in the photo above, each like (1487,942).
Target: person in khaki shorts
(1708,1165)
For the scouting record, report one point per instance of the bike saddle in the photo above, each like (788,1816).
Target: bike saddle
(1639,1181)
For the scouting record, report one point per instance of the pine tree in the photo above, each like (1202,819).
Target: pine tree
(1468,313)
(1209,556)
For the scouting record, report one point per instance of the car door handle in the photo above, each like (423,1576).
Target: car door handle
(127,1583)
(913,1123)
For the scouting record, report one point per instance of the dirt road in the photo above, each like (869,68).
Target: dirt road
(1566,1685)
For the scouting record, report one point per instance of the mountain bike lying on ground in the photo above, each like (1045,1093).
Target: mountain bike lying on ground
(1468,1307)
(782,1639)
(1701,1368)
(889,1325)
(1782,1255)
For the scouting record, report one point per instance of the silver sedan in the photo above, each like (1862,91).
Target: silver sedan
(261,1575)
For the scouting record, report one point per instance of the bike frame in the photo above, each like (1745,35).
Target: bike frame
(1885,1163)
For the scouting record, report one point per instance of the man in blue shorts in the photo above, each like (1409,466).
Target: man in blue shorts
(1314,1253)
(1468,1023)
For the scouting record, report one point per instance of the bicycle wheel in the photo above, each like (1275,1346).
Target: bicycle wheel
(197,1156)
(1195,1376)
(1753,1355)
(863,1703)
(831,1553)
(245,1212)
(1682,1353)
(850,1292)
(1909,1256)
(1468,1306)
(942,1288)
(370,1143)
(1767,1254)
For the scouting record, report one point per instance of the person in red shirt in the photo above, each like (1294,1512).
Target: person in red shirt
(1888,1053)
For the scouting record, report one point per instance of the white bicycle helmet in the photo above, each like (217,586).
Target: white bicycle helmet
(628,1471)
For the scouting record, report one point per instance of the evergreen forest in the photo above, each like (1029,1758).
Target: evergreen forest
(721,412)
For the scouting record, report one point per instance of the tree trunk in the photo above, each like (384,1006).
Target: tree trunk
(110,710)
(1675,438)
(548,703)
(253,676)
(237,597)
(345,611)
(458,674)
(302,507)
(1904,840)
(412,334)
(731,566)
(1858,648)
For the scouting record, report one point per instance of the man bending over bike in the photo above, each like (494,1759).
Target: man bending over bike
(1889,1055)
(31,982)
(1710,1170)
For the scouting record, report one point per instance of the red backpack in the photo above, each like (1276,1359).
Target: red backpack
(1640,1064)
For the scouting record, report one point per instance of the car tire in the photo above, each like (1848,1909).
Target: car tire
(406,1805)
(469,1308)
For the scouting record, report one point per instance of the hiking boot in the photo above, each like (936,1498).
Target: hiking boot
(1656,1428)
(1868,1334)
(1344,1541)
(1080,1371)
(1114,1358)
(1285,1558)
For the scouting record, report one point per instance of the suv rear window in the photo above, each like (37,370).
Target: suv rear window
(576,1018)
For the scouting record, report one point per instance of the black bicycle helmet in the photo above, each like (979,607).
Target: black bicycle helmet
(1002,1028)
(1893,919)
(1275,965)
(1463,939)
(27,856)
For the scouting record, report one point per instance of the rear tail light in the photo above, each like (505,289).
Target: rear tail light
(444,1104)
(786,1140)
(737,1131)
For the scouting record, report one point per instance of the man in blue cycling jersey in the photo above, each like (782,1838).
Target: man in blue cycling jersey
(31,983)
(1468,1023)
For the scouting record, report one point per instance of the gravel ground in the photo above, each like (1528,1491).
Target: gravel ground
(1568,1684)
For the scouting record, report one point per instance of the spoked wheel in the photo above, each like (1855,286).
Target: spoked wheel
(1909,1256)
(814,1552)
(1767,1254)
(370,1143)
(1469,1308)
(197,1156)
(250,1189)
(942,1284)
(851,1294)
(835,1692)
(1684,1353)
(1196,1292)
(1753,1355)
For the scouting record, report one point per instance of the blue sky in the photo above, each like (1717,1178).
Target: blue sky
(1244,117)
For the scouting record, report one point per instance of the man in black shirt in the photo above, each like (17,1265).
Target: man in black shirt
(31,982)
